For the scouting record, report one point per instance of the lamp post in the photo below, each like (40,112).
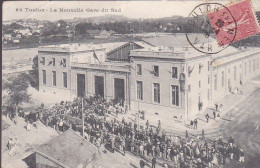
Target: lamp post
(83,118)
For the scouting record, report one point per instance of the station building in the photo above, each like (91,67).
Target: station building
(157,75)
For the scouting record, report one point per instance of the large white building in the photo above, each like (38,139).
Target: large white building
(158,74)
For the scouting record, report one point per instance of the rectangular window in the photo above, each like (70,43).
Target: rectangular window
(63,62)
(43,61)
(222,79)
(189,88)
(156,92)
(44,77)
(65,80)
(139,69)
(174,72)
(140,90)
(175,95)
(235,73)
(156,71)
(54,78)
(53,61)
(208,65)
(216,81)
(208,79)
(199,84)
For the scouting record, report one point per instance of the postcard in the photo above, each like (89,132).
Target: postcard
(130,84)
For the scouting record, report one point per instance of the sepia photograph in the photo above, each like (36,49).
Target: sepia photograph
(130,84)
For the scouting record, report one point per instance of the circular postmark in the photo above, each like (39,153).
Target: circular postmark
(206,19)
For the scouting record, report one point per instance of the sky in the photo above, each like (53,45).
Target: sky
(131,9)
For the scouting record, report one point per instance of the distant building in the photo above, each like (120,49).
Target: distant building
(25,32)
(8,37)
(15,40)
(93,33)
(18,35)
(100,34)
(158,74)
(68,150)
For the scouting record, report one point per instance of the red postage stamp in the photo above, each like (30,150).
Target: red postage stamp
(234,23)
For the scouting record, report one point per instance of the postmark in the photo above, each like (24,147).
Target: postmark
(246,23)
(202,39)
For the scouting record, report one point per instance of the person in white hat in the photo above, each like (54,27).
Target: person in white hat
(241,156)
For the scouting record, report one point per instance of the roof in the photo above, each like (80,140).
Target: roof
(143,44)
(75,47)
(93,32)
(69,148)
(175,40)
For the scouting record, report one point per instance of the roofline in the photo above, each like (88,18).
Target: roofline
(126,43)
(147,42)
(59,163)
(82,138)
(52,159)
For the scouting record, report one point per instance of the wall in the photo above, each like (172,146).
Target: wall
(242,67)
(165,80)
(90,74)
(41,160)
(200,73)
(48,87)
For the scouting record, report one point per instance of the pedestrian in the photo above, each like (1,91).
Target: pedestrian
(241,156)
(207,117)
(203,134)
(28,127)
(191,124)
(147,124)
(218,117)
(159,126)
(142,164)
(153,162)
(214,114)
(195,124)
(231,116)
(98,144)
(216,106)
(220,108)
(186,134)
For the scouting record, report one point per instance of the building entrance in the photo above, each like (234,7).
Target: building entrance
(119,87)
(99,86)
(80,85)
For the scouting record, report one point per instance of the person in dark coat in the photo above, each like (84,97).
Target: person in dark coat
(153,162)
(142,164)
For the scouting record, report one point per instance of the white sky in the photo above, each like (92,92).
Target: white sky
(131,9)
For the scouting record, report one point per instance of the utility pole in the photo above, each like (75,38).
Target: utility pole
(83,117)
(138,115)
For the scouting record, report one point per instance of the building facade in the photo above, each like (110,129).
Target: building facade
(174,81)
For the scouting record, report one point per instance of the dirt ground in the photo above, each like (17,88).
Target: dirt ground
(24,140)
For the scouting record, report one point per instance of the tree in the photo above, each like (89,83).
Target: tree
(16,88)
(34,73)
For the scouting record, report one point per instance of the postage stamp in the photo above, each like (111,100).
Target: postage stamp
(220,16)
(244,25)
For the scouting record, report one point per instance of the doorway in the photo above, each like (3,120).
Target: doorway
(119,87)
(99,86)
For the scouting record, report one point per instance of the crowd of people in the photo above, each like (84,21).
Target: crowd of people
(148,142)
